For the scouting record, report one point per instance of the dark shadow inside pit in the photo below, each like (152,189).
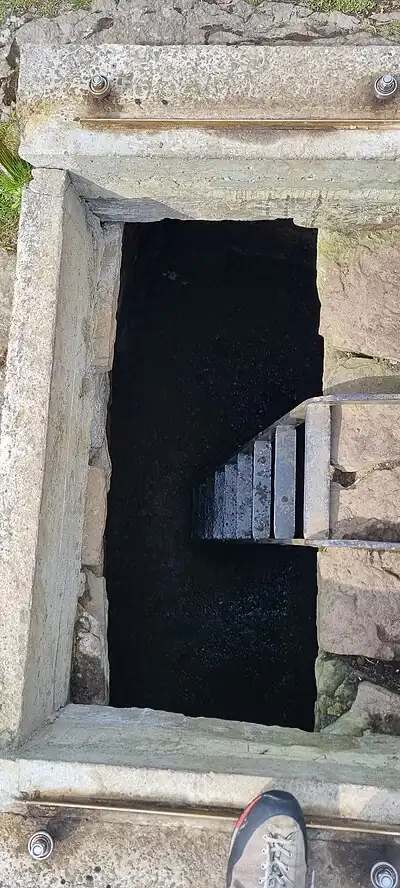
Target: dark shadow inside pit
(217,337)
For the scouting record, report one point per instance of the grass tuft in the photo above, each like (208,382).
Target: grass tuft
(40,8)
(354,7)
(351,7)
(14,174)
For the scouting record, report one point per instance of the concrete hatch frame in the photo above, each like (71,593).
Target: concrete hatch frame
(91,181)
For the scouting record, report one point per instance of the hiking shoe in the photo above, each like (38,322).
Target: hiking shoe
(269,844)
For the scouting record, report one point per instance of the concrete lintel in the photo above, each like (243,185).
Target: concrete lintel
(312,207)
(332,177)
(207,82)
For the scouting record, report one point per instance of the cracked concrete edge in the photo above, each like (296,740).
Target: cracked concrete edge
(95,751)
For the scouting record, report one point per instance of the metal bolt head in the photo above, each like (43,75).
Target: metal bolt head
(99,85)
(384,875)
(386,86)
(41,845)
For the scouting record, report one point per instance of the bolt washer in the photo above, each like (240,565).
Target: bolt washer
(41,845)
(385,86)
(384,875)
(99,85)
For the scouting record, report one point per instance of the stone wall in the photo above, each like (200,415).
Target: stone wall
(90,668)
(359,591)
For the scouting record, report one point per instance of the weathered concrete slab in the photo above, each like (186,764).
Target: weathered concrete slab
(359,603)
(44,446)
(358,275)
(208,82)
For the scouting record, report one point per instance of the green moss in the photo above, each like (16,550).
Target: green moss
(391,30)
(48,8)
(351,7)
(11,186)
(337,246)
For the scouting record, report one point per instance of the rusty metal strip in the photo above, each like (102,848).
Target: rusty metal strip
(131,123)
(230,816)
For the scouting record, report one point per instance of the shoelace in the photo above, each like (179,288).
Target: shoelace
(275,868)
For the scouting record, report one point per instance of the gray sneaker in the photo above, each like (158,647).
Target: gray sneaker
(269,844)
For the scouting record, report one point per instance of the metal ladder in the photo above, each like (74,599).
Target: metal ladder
(252,498)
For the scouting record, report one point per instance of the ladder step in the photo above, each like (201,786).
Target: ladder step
(218,516)
(230,497)
(262,461)
(244,496)
(285,482)
(317,482)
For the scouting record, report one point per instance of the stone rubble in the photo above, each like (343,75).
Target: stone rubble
(90,677)
(337,688)
(375,710)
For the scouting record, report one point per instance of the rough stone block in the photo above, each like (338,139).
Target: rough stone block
(365,436)
(365,447)
(90,668)
(359,603)
(100,407)
(336,689)
(346,374)
(100,459)
(375,710)
(358,275)
(95,518)
(107,296)
(369,509)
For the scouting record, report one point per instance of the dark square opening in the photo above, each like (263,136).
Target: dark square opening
(217,338)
